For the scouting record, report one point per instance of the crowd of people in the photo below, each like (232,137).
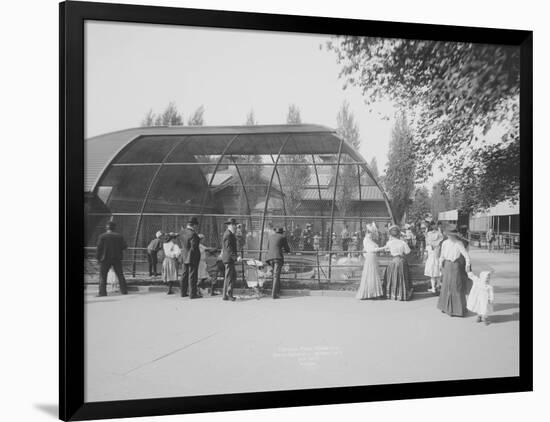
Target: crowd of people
(183,250)
(447,263)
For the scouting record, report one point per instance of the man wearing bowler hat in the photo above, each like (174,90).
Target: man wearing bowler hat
(109,254)
(229,257)
(276,246)
(190,258)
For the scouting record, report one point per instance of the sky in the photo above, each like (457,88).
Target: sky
(131,68)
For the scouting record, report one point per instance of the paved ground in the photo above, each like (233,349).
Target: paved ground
(147,345)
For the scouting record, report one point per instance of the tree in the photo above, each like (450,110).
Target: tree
(293,116)
(149,119)
(346,127)
(373,166)
(439,198)
(251,175)
(348,179)
(455,198)
(459,91)
(197,118)
(171,116)
(421,204)
(293,177)
(399,179)
(251,119)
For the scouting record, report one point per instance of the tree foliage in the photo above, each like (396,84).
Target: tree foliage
(252,178)
(439,198)
(421,205)
(293,116)
(399,178)
(348,177)
(293,177)
(373,166)
(197,118)
(445,198)
(251,119)
(149,119)
(459,92)
(169,117)
(346,127)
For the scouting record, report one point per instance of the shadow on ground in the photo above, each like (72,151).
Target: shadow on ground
(113,297)
(498,289)
(505,306)
(506,276)
(101,301)
(497,319)
(266,297)
(50,409)
(422,295)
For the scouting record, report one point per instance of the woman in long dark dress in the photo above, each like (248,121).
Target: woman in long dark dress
(397,282)
(455,262)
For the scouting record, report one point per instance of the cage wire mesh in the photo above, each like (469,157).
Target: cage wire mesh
(322,200)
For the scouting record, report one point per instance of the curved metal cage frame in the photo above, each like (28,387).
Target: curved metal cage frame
(283,139)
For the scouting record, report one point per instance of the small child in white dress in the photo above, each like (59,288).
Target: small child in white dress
(481,297)
(112,280)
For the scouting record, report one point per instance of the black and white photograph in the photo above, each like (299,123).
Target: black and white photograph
(269,211)
(293,210)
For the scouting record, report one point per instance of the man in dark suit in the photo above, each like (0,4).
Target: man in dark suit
(109,254)
(276,246)
(190,257)
(229,257)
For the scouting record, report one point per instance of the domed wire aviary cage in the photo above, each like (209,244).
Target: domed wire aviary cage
(303,178)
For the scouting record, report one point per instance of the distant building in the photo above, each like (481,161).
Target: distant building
(502,218)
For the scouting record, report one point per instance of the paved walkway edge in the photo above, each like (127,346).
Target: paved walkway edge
(246,292)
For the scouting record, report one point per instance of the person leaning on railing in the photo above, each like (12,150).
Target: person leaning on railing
(277,245)
(110,246)
(214,267)
(152,253)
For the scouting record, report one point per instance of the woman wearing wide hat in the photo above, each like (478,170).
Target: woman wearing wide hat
(397,282)
(455,263)
(371,284)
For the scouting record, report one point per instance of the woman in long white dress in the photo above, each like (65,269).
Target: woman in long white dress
(433,247)
(371,283)
(170,264)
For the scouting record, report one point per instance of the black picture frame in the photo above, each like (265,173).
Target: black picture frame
(72,16)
